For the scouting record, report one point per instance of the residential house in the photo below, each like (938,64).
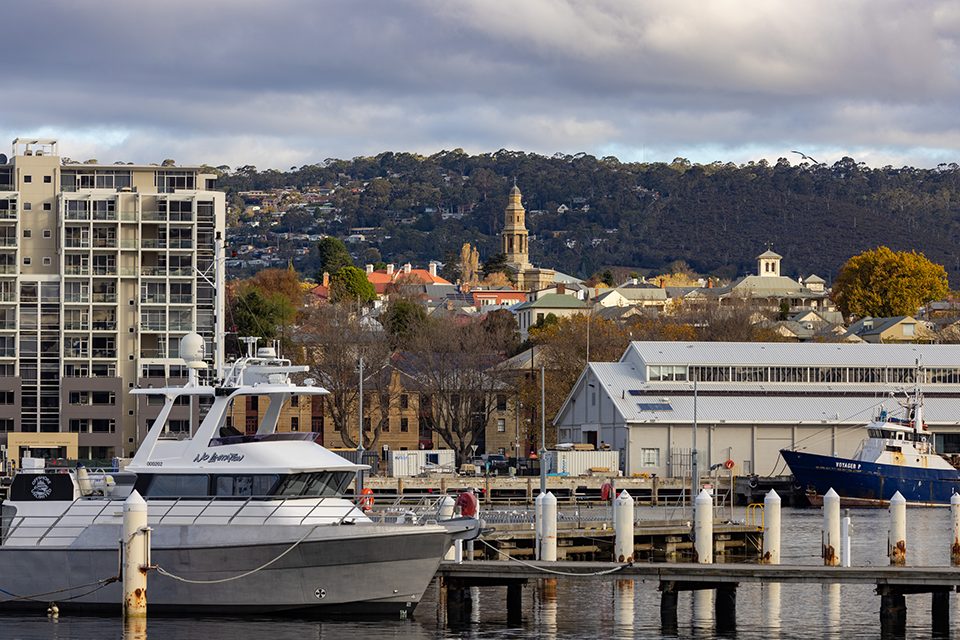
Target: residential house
(895,329)
(534,311)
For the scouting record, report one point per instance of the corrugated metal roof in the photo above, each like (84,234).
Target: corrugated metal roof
(792,354)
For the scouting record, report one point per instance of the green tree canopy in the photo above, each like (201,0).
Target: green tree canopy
(883,283)
(350,284)
(496,263)
(402,320)
(333,255)
(258,313)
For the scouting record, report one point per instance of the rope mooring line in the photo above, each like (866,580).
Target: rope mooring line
(99,584)
(575,574)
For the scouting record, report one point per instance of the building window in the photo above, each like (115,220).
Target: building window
(27,261)
(27,206)
(650,457)
(501,425)
(47,262)
(28,179)
(28,233)
(47,206)
(294,424)
(6,425)
(501,402)
(295,401)
(404,401)
(386,425)
(47,179)
(404,425)
(253,403)
(336,426)
(316,424)
(47,233)
(366,424)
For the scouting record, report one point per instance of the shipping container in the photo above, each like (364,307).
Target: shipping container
(579,463)
(401,464)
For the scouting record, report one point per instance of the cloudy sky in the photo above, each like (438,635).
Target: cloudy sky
(283,83)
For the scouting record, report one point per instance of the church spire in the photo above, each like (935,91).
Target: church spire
(514,235)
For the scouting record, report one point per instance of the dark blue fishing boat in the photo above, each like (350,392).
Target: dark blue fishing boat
(897,455)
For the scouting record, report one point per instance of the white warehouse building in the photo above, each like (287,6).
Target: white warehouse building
(752,400)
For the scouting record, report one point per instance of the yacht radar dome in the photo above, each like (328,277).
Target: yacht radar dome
(266,352)
(192,351)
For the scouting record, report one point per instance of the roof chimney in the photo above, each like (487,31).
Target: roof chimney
(432,268)
(709,283)
(561,288)
(369,268)
(326,279)
(661,283)
(390,269)
(406,268)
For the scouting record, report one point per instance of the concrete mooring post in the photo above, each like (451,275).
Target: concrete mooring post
(831,528)
(548,530)
(703,528)
(845,552)
(955,539)
(623,526)
(897,537)
(538,523)
(445,512)
(136,555)
(771,528)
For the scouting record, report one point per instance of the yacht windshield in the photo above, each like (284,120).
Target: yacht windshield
(323,484)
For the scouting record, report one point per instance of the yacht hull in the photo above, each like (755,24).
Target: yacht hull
(862,483)
(359,571)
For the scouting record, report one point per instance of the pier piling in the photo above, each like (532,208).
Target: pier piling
(831,528)
(897,537)
(703,528)
(771,528)
(136,555)
(623,525)
(548,530)
(725,608)
(940,613)
(515,604)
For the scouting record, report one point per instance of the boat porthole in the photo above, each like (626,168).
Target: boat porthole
(320,593)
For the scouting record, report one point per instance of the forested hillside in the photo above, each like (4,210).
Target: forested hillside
(716,217)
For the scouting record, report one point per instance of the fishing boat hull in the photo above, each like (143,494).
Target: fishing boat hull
(363,571)
(860,483)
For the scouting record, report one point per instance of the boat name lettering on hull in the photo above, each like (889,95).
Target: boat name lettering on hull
(848,465)
(218,457)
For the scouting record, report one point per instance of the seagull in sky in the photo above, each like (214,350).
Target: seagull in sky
(805,157)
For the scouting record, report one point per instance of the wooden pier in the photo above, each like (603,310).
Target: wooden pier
(891,584)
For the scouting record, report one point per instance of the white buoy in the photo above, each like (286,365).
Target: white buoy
(845,559)
(897,538)
(831,529)
(623,526)
(703,528)
(548,532)
(83,481)
(458,551)
(445,512)
(136,555)
(538,522)
(771,528)
(955,517)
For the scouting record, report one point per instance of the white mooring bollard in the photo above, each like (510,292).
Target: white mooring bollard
(548,531)
(703,528)
(446,511)
(136,555)
(623,526)
(771,528)
(897,538)
(955,517)
(845,558)
(831,528)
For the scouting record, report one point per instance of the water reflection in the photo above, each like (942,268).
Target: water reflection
(831,610)
(770,593)
(134,628)
(546,618)
(702,611)
(623,608)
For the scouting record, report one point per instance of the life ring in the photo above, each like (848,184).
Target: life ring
(728,464)
(606,491)
(366,499)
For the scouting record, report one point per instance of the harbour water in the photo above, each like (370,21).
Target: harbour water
(603,608)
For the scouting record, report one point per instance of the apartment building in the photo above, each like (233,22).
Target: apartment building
(102,269)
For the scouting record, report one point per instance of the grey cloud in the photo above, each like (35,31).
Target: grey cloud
(294,81)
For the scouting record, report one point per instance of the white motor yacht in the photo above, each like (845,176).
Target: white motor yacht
(240,523)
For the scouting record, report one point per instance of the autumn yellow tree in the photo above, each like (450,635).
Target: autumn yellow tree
(883,283)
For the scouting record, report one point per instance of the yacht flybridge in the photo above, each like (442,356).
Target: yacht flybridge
(240,523)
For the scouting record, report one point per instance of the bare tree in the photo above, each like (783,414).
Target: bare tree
(452,364)
(332,339)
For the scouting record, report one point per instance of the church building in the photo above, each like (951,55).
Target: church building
(516,247)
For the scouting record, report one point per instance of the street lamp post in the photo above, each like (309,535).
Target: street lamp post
(360,435)
(543,430)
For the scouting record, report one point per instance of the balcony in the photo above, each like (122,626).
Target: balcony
(76,298)
(76,270)
(153,243)
(70,352)
(105,353)
(78,325)
(129,244)
(186,325)
(8,214)
(181,299)
(181,271)
(76,243)
(153,299)
(8,296)
(7,269)
(8,242)
(153,325)
(104,297)
(105,243)
(153,216)
(104,325)
(153,352)
(76,215)
(104,271)
(186,243)
(153,271)
(105,216)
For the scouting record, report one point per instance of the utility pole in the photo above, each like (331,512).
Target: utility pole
(360,434)
(694,466)
(543,430)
